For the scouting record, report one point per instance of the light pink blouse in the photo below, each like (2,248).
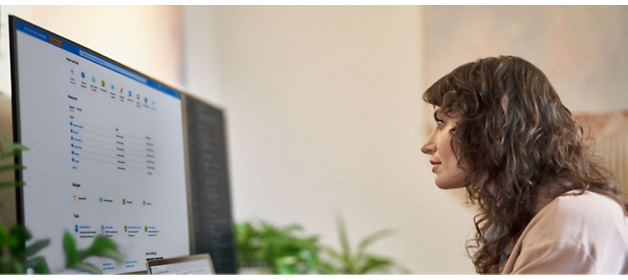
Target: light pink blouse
(573,234)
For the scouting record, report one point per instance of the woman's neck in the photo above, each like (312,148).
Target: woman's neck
(547,193)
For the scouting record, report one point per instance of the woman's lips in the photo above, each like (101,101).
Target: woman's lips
(436,164)
(434,167)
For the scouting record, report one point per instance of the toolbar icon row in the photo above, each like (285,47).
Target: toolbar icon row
(103,84)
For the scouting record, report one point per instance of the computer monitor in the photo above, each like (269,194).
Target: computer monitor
(211,222)
(107,152)
(189,265)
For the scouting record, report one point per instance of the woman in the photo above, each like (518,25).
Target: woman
(547,204)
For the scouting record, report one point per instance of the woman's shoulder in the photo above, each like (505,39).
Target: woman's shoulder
(574,233)
(578,213)
(587,198)
(583,208)
(578,218)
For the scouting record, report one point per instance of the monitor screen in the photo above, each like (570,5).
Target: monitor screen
(107,152)
(211,216)
(192,265)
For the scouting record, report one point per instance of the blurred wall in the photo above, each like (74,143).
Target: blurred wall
(583,50)
(8,216)
(325,117)
(145,38)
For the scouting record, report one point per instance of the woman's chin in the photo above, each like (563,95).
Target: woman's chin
(448,186)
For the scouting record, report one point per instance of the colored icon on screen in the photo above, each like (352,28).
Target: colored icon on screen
(74,197)
(83,74)
(72,145)
(121,90)
(101,199)
(103,83)
(73,160)
(102,229)
(138,97)
(145,229)
(123,201)
(93,79)
(72,71)
(130,94)
(111,87)
(76,228)
(125,228)
(145,100)
(72,152)
(144,202)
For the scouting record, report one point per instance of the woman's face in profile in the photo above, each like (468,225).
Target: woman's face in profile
(438,145)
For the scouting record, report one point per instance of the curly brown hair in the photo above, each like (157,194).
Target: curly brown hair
(516,137)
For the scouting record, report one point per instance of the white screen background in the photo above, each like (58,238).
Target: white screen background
(49,204)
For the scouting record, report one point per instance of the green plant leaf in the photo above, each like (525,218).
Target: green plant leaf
(12,167)
(331,252)
(16,146)
(87,267)
(4,236)
(39,265)
(291,228)
(102,247)
(14,153)
(403,269)
(17,241)
(17,267)
(4,263)
(72,256)
(344,242)
(36,247)
(11,184)
(12,149)
(286,265)
(264,244)
(27,234)
(375,263)
(285,269)
(372,238)
(324,267)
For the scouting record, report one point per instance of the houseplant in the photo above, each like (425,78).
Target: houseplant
(281,250)
(345,262)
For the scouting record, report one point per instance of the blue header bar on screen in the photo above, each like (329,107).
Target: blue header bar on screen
(63,44)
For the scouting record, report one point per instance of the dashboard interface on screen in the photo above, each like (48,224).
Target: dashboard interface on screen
(107,154)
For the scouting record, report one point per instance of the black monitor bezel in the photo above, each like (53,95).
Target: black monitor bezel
(184,101)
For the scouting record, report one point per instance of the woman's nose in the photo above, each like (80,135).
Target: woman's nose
(428,147)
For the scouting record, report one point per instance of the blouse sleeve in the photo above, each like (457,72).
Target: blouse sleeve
(555,257)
